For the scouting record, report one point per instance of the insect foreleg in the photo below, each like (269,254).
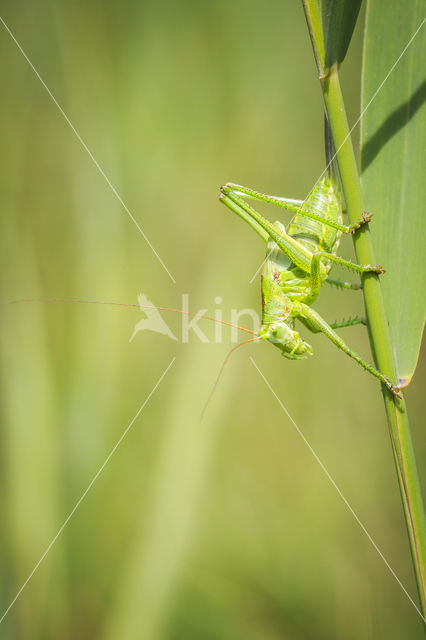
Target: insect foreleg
(315,320)
(295,206)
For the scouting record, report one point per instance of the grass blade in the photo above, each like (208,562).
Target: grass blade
(331,24)
(339,19)
(393,137)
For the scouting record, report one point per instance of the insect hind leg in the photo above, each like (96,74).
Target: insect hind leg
(315,320)
(237,208)
(349,322)
(294,206)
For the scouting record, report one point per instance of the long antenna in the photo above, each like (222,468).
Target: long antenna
(221,371)
(135,306)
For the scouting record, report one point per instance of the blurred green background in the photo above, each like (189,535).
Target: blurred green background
(225,529)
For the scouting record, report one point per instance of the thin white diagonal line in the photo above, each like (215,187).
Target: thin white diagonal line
(339,491)
(261,266)
(357,121)
(86,148)
(86,491)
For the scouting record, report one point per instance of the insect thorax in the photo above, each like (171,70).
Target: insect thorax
(290,281)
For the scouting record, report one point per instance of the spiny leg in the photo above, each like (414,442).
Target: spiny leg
(350,322)
(236,208)
(295,206)
(297,253)
(316,266)
(350,286)
(315,320)
(304,259)
(360,268)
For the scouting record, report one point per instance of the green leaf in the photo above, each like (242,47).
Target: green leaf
(331,24)
(393,139)
(338,20)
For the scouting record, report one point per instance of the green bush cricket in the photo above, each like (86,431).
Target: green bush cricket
(298,261)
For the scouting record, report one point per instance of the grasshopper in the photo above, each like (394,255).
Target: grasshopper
(298,261)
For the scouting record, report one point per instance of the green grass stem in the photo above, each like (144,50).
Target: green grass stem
(380,341)
(378,327)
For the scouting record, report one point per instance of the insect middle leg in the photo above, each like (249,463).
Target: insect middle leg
(316,322)
(349,286)
(295,206)
(315,269)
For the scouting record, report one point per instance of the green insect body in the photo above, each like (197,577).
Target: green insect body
(283,280)
(298,261)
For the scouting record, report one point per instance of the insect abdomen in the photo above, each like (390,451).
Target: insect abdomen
(315,235)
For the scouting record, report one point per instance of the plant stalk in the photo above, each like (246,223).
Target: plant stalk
(379,334)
